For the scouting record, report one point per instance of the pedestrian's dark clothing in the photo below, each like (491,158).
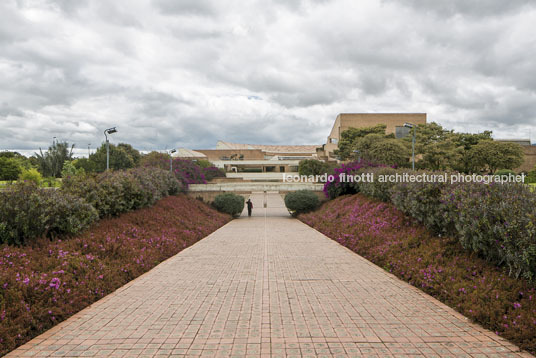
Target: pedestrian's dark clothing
(250,206)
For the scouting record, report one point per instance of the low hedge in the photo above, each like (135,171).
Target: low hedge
(229,203)
(301,201)
(28,212)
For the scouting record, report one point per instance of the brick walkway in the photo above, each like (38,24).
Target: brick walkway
(267,286)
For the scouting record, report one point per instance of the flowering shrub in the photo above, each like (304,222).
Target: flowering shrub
(335,187)
(28,212)
(43,284)
(115,192)
(213,172)
(377,189)
(188,172)
(497,221)
(439,266)
(421,201)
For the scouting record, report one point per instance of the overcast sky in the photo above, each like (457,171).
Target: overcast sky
(185,73)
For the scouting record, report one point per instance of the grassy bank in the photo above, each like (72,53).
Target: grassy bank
(43,284)
(437,265)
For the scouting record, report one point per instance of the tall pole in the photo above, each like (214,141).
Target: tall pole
(107,152)
(88,152)
(413,148)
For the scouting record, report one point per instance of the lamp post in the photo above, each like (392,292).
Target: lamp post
(171,160)
(88,152)
(356,152)
(414,127)
(106,132)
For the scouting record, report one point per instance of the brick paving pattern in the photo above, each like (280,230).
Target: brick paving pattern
(268,286)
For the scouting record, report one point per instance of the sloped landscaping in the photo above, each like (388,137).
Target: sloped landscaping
(44,283)
(439,266)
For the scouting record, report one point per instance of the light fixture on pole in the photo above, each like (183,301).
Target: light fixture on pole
(414,127)
(106,132)
(356,152)
(88,152)
(171,160)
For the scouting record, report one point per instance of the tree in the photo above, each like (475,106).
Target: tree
(389,151)
(51,162)
(85,165)
(490,155)
(155,159)
(463,143)
(133,153)
(9,169)
(350,136)
(21,160)
(120,158)
(312,167)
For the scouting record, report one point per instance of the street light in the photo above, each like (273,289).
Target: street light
(88,151)
(171,160)
(414,127)
(356,152)
(106,132)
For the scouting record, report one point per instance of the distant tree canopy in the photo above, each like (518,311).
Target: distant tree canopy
(122,156)
(312,167)
(9,168)
(350,137)
(435,147)
(155,159)
(51,162)
(491,156)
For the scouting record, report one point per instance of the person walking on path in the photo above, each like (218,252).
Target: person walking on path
(250,206)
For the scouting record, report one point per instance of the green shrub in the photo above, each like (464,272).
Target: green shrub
(31,175)
(497,222)
(421,201)
(375,188)
(115,192)
(301,201)
(28,212)
(229,203)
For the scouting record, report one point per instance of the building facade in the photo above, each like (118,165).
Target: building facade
(394,123)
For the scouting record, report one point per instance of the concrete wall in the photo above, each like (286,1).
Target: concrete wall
(207,192)
(391,120)
(530,159)
(216,154)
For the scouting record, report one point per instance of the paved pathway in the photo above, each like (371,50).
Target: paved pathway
(267,286)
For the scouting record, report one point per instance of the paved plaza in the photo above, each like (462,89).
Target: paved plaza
(268,286)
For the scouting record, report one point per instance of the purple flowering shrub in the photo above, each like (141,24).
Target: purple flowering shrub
(213,172)
(45,283)
(188,172)
(28,212)
(440,266)
(497,221)
(335,187)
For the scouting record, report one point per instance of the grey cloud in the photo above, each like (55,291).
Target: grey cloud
(184,80)
(187,7)
(474,8)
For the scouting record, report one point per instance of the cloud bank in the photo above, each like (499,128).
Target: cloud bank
(187,73)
